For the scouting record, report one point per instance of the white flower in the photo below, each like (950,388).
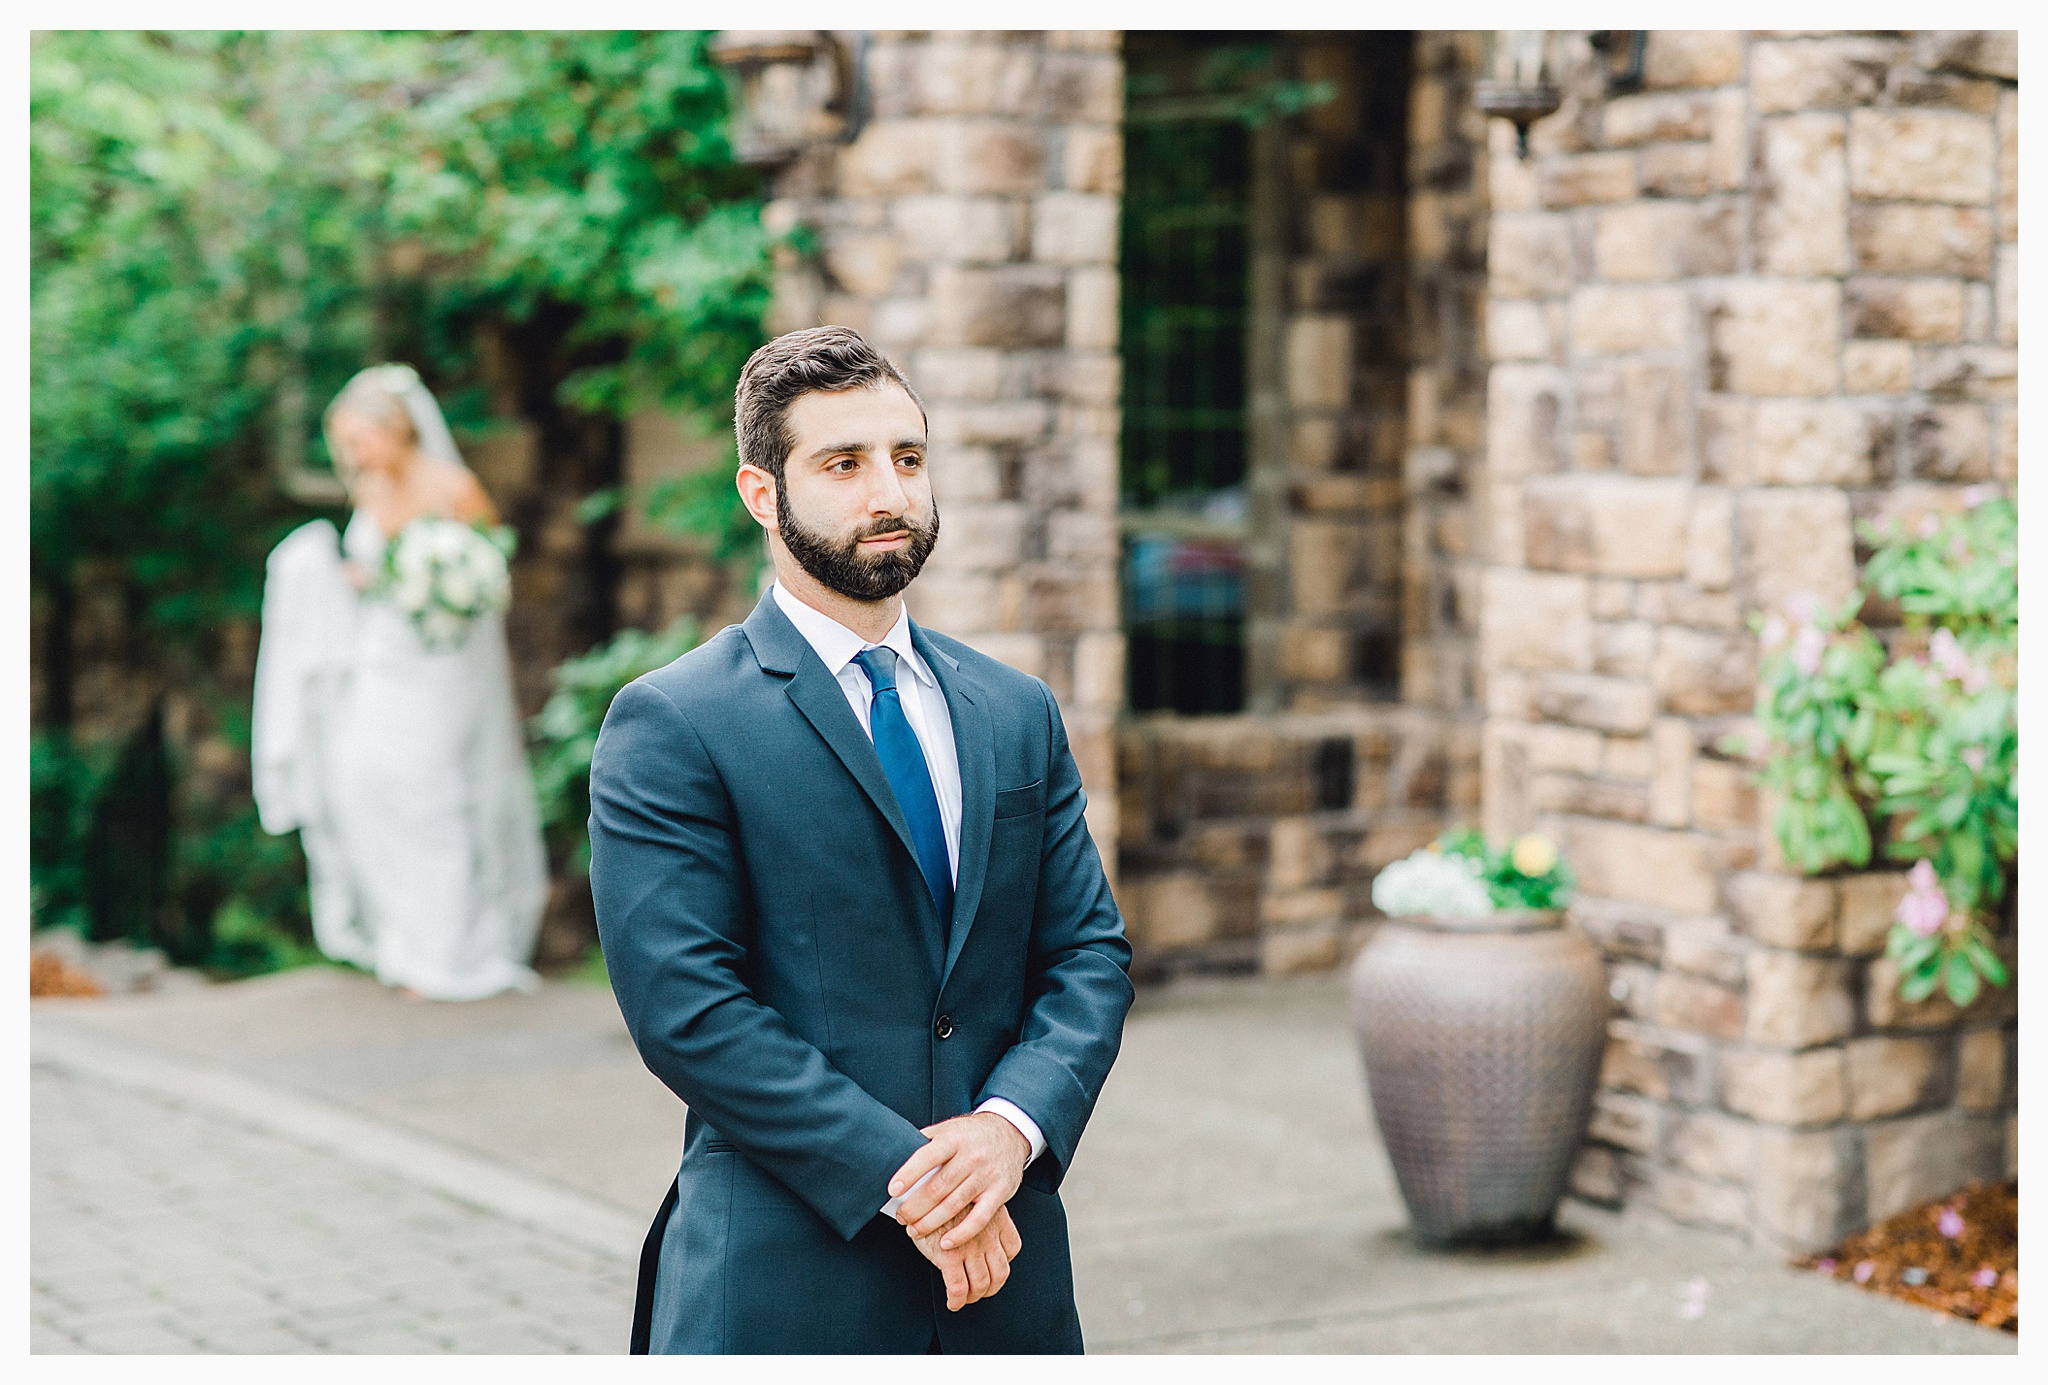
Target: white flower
(1432,884)
(458,587)
(415,589)
(497,588)
(446,539)
(410,557)
(441,629)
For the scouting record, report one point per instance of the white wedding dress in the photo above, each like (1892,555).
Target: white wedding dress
(403,770)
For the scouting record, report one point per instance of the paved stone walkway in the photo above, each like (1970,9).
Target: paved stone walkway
(163,1228)
(307,1162)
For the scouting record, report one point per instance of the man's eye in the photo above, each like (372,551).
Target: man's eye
(842,465)
(910,459)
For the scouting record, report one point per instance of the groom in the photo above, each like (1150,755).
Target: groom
(855,921)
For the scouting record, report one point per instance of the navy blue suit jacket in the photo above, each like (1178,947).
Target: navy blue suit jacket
(763,922)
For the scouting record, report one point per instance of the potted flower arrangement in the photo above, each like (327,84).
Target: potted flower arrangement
(1481,1020)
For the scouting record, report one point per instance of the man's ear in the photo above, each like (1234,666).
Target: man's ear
(757,493)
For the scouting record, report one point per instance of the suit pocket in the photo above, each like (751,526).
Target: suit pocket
(720,1147)
(1021,802)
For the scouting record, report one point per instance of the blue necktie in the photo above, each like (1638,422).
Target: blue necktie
(903,761)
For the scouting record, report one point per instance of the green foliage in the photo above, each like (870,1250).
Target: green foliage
(111,856)
(144,403)
(707,504)
(1821,722)
(1961,572)
(590,970)
(564,734)
(64,783)
(1547,883)
(1924,739)
(241,892)
(524,171)
(223,228)
(1239,82)
(248,942)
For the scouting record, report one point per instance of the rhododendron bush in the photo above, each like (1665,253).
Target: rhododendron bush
(1919,736)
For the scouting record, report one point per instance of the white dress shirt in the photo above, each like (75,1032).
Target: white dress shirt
(925,709)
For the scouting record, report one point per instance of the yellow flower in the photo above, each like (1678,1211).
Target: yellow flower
(1534,855)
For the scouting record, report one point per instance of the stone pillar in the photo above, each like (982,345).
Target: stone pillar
(1731,314)
(1442,467)
(969,230)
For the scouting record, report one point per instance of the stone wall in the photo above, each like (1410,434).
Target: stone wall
(965,222)
(1767,296)
(1443,545)
(1250,842)
(1381,406)
(1326,474)
(1768,1078)
(664,575)
(1231,859)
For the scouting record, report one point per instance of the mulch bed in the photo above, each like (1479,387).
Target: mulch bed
(1960,1254)
(49,974)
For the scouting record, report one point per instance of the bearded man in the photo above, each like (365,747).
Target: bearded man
(854,919)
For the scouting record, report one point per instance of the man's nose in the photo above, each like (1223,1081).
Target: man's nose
(888,496)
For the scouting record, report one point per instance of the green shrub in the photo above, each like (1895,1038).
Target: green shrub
(1923,738)
(222,228)
(564,734)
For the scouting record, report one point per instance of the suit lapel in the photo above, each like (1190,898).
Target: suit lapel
(974,743)
(817,694)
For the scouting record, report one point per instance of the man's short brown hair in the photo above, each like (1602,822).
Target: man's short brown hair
(795,364)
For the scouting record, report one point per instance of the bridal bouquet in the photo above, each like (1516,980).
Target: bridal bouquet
(443,574)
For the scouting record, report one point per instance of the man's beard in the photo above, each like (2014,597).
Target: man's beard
(842,567)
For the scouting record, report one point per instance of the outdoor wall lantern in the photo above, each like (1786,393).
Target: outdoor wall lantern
(1623,50)
(1518,86)
(796,87)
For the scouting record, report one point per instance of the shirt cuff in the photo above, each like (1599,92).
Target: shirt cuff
(889,1207)
(1009,1111)
(1026,1126)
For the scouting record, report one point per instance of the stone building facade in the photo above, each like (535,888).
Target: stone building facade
(1528,439)
(1731,316)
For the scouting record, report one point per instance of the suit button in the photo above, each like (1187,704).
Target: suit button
(944,1028)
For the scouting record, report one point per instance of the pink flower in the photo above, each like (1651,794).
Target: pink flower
(1825,1265)
(1947,653)
(1949,1223)
(1954,662)
(1807,648)
(1923,908)
(1929,526)
(1985,1277)
(1973,756)
(1864,1269)
(1802,607)
(1976,495)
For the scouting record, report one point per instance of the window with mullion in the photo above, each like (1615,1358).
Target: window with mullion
(1185,296)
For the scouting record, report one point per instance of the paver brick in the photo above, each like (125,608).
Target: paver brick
(298,1251)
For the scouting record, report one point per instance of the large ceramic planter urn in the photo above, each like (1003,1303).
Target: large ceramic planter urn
(1482,1040)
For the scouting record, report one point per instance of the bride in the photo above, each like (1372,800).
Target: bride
(397,758)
